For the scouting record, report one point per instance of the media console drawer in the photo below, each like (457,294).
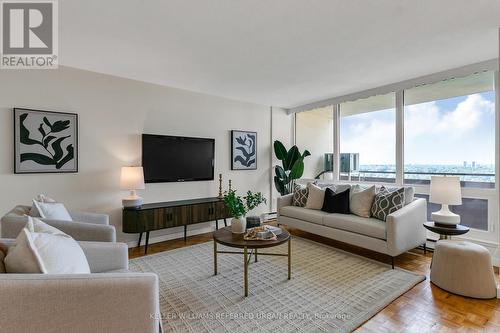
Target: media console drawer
(163,215)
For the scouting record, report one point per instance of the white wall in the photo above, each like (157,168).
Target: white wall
(113,112)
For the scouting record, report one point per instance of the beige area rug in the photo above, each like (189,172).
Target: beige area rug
(330,290)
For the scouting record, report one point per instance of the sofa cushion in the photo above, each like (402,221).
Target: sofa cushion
(361,225)
(52,210)
(387,202)
(2,264)
(316,197)
(300,193)
(309,215)
(361,200)
(336,202)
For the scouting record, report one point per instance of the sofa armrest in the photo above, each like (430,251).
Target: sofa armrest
(283,201)
(105,256)
(127,302)
(405,228)
(94,218)
(12,226)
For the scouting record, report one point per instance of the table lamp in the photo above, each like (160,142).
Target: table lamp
(132,179)
(445,191)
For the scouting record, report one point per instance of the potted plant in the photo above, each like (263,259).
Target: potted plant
(252,201)
(240,206)
(292,167)
(237,209)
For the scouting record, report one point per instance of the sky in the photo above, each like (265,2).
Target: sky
(448,132)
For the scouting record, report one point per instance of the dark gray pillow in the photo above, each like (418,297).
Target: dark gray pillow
(300,194)
(387,202)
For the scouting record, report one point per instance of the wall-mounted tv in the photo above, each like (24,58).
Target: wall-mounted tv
(177,159)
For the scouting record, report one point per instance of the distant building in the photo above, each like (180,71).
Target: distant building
(473,164)
(465,164)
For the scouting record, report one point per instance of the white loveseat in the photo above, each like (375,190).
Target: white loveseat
(402,231)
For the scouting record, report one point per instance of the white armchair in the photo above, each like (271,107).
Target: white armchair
(84,227)
(110,299)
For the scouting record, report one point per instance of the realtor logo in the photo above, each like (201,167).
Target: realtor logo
(28,34)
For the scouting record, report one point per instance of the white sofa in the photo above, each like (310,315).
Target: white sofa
(110,299)
(84,227)
(402,231)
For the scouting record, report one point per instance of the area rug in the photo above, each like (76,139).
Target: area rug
(330,290)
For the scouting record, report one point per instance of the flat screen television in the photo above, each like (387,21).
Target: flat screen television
(177,159)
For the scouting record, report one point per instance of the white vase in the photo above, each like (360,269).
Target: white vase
(238,226)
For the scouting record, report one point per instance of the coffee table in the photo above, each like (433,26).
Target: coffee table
(225,237)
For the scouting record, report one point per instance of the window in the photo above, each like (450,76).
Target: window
(368,139)
(314,132)
(450,129)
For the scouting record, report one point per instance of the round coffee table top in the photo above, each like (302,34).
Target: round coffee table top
(446,230)
(224,236)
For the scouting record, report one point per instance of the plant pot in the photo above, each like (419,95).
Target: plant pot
(253,221)
(238,225)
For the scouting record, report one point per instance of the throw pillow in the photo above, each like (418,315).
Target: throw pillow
(387,202)
(40,198)
(316,197)
(2,265)
(52,210)
(336,202)
(48,253)
(409,193)
(300,194)
(361,200)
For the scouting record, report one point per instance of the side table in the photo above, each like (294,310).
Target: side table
(446,231)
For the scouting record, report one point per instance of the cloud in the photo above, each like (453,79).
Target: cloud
(428,118)
(373,135)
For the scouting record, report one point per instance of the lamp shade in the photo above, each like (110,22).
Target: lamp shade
(445,190)
(132,178)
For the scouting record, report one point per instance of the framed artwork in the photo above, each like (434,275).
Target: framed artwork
(243,150)
(45,141)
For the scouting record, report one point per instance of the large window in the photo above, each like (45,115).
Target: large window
(450,129)
(368,139)
(314,132)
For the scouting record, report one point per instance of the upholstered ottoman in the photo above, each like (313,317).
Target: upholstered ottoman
(463,268)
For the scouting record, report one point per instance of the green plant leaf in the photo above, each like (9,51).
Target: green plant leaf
(69,156)
(280,186)
(47,122)
(306,153)
(47,140)
(24,133)
(60,126)
(292,156)
(280,173)
(38,158)
(279,150)
(297,169)
(41,130)
(56,146)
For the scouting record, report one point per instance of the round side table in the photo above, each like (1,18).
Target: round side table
(446,231)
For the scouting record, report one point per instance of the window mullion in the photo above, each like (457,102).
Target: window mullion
(400,137)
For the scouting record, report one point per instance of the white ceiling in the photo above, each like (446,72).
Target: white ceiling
(276,52)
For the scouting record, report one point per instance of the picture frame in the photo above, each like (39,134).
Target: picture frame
(45,141)
(243,150)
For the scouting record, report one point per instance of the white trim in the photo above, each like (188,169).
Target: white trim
(336,142)
(400,136)
(492,64)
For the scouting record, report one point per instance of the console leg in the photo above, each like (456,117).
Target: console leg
(425,248)
(225,223)
(392,262)
(147,242)
(140,238)
(216,224)
(185,232)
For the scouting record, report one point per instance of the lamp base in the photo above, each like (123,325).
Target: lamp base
(132,202)
(445,216)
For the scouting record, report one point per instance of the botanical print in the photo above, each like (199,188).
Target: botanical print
(45,141)
(244,150)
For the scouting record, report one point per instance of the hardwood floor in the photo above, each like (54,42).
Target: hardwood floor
(424,308)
